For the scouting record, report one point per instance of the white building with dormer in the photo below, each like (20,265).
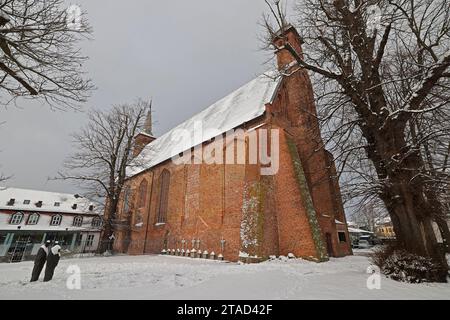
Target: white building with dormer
(30,217)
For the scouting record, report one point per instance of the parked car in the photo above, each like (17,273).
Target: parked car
(373,240)
(363,244)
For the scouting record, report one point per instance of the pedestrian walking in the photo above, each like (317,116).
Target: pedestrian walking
(52,262)
(39,261)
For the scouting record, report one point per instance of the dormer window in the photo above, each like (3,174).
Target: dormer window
(74,206)
(16,218)
(11,202)
(77,221)
(56,204)
(91,207)
(26,201)
(56,220)
(39,204)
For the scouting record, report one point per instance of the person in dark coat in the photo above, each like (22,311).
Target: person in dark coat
(39,261)
(52,262)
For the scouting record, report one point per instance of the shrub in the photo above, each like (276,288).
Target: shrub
(381,254)
(403,266)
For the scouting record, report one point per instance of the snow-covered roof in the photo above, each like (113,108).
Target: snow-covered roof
(144,134)
(356,230)
(26,199)
(384,220)
(351,223)
(243,105)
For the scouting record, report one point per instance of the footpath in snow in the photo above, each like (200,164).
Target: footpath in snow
(171,277)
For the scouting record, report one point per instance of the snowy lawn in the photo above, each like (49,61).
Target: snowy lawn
(170,277)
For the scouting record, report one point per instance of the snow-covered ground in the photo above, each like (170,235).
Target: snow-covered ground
(171,277)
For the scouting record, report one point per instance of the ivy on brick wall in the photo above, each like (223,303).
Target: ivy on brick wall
(306,196)
(252,223)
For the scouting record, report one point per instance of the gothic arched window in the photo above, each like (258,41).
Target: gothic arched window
(142,194)
(126,199)
(164,179)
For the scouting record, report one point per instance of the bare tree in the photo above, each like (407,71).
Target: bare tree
(38,53)
(381,75)
(3,178)
(368,215)
(104,151)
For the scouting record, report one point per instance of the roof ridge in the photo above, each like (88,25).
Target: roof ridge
(264,74)
(43,191)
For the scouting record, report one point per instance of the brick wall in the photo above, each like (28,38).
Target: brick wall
(290,212)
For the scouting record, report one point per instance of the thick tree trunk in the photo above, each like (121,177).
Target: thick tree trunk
(445,232)
(399,169)
(439,216)
(108,229)
(413,228)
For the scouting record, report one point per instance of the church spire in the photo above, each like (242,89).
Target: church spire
(145,136)
(148,121)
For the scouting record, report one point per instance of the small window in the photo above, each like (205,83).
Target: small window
(90,240)
(26,201)
(56,220)
(56,204)
(342,237)
(78,221)
(79,239)
(33,218)
(16,218)
(96,222)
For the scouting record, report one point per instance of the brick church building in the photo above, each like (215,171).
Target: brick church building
(233,209)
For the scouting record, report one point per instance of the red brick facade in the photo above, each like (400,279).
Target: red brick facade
(233,209)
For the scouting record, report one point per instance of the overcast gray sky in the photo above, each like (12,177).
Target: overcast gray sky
(184,54)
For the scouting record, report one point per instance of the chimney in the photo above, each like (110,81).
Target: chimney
(284,40)
(74,206)
(38,204)
(144,137)
(11,202)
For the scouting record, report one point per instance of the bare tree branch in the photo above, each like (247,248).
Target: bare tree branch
(38,53)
